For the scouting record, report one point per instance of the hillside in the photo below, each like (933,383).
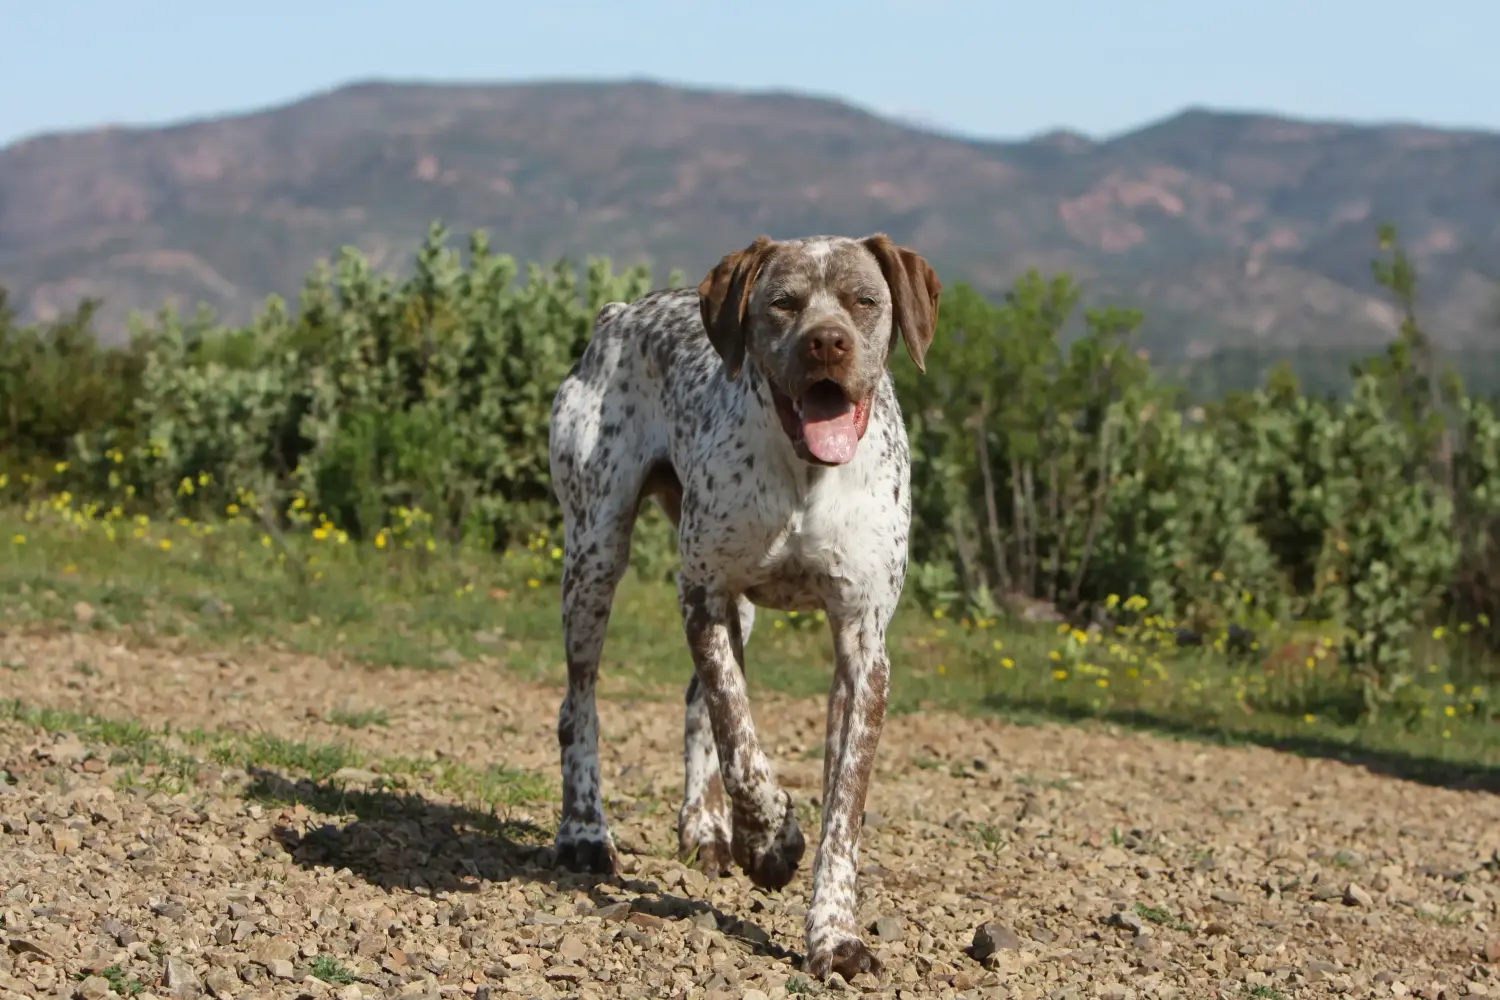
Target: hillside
(1227,228)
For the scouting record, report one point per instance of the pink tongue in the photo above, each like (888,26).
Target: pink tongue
(828,429)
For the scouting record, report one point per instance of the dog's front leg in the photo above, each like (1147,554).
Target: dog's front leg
(856,713)
(765,840)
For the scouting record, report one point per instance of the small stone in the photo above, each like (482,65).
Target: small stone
(280,968)
(1357,895)
(613,911)
(888,929)
(1492,951)
(83,612)
(572,949)
(351,992)
(269,949)
(171,909)
(991,938)
(180,976)
(1129,920)
(222,983)
(94,988)
(1225,896)
(567,973)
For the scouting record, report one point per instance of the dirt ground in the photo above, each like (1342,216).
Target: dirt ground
(1099,864)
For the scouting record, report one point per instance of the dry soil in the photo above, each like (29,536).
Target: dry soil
(1082,862)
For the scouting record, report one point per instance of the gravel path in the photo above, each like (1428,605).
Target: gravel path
(999,861)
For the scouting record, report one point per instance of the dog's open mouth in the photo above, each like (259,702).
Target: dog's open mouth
(824,422)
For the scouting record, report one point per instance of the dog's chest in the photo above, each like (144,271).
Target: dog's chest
(798,543)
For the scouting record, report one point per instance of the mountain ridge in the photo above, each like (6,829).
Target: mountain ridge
(1227,227)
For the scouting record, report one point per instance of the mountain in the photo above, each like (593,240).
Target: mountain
(1229,229)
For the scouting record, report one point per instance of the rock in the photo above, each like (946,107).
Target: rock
(222,983)
(1226,896)
(180,977)
(280,968)
(572,949)
(991,938)
(266,950)
(83,612)
(613,911)
(889,929)
(95,988)
(1357,895)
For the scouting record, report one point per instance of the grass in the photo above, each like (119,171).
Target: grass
(119,982)
(412,601)
(331,970)
(171,762)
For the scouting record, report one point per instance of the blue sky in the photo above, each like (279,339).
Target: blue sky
(981,67)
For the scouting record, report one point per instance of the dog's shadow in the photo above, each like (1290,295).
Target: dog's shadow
(402,840)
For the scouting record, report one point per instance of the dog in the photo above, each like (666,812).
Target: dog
(759,411)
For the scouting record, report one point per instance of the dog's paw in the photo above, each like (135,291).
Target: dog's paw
(770,858)
(847,956)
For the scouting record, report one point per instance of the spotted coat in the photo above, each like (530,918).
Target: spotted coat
(709,401)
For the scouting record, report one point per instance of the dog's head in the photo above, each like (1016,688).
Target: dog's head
(817,317)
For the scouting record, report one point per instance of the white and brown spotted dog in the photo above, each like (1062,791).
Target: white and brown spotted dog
(759,411)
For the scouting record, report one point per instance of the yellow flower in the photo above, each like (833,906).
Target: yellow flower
(942,669)
(1448,688)
(380,539)
(166,544)
(1059,675)
(1102,682)
(556,553)
(60,467)
(1008,663)
(1309,718)
(1450,711)
(533,583)
(18,539)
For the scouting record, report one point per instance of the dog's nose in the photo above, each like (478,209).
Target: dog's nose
(828,345)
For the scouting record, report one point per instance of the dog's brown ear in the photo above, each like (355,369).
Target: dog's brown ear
(915,290)
(724,301)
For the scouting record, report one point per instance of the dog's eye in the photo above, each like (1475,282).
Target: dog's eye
(784,302)
(867,300)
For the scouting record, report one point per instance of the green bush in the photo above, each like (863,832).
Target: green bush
(1045,472)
